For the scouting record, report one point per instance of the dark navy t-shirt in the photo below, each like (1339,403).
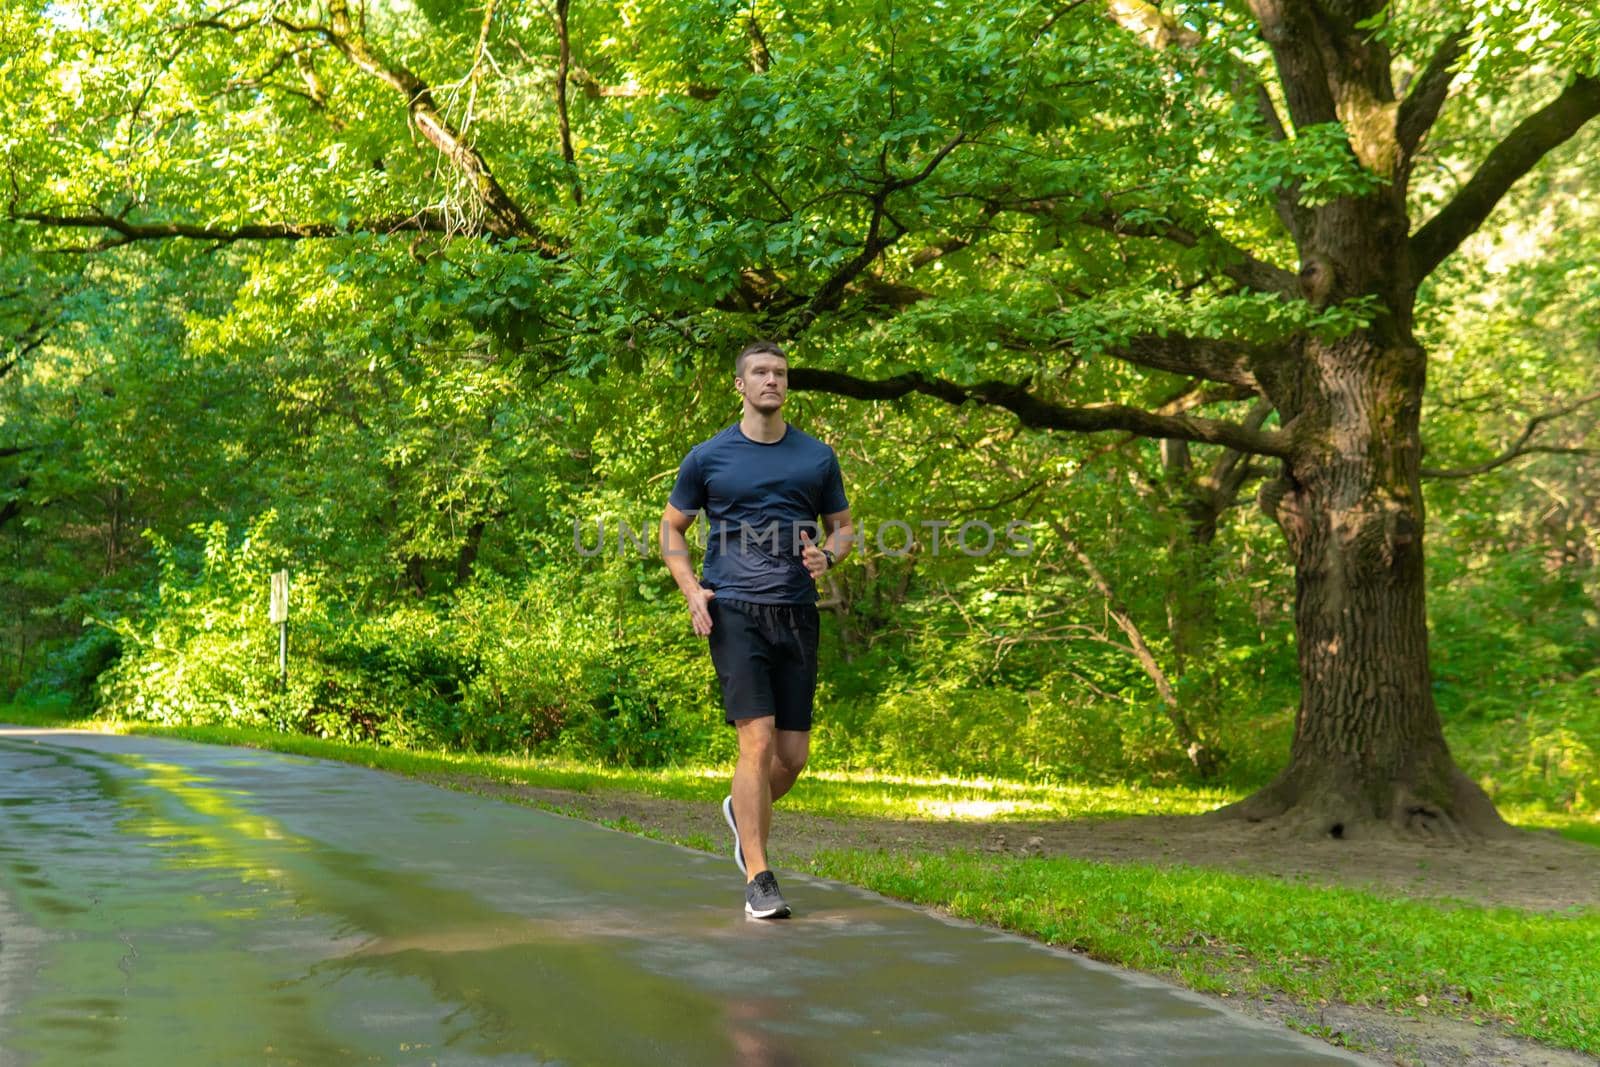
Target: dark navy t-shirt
(757,499)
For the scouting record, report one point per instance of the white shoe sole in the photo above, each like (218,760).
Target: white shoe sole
(772,913)
(738,852)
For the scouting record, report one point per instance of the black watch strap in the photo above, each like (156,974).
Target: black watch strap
(832,559)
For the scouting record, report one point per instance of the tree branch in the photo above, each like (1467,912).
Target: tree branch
(13,507)
(1196,395)
(1241,266)
(1226,475)
(593,89)
(951,245)
(1534,137)
(428,221)
(1161,32)
(1268,112)
(562,68)
(505,216)
(28,340)
(1483,468)
(1296,218)
(1047,415)
(760,55)
(1287,28)
(1421,106)
(1521,447)
(1151,25)
(1203,759)
(830,293)
(1228,362)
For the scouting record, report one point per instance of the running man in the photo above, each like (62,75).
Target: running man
(762,484)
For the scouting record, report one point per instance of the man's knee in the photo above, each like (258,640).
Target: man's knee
(757,740)
(791,752)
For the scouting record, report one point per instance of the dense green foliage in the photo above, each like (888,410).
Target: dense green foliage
(413,421)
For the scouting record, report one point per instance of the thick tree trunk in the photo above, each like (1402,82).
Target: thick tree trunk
(12,508)
(417,575)
(1368,747)
(467,555)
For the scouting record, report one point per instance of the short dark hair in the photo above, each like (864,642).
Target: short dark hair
(758,348)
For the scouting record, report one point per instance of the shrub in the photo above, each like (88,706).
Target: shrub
(75,670)
(203,650)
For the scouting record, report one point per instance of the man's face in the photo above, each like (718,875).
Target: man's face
(765,382)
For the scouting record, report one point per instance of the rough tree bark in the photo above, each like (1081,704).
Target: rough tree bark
(1368,744)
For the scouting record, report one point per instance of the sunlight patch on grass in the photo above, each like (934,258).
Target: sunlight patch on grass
(979,809)
(1574,826)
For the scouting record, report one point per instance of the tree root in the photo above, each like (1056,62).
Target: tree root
(1303,803)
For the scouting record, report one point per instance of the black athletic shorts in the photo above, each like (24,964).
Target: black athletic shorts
(766,660)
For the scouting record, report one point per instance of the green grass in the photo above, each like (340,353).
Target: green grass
(1578,827)
(856,794)
(1534,973)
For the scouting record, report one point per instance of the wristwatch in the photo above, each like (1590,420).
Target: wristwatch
(832,559)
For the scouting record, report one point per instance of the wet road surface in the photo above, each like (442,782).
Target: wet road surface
(169,904)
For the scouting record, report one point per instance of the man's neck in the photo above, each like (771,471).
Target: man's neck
(766,427)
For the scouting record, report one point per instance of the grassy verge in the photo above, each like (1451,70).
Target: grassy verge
(1585,828)
(1232,934)
(1243,936)
(827,793)
(854,794)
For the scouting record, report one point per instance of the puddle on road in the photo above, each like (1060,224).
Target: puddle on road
(183,927)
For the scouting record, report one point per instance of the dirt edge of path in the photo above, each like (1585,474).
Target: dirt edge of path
(1534,872)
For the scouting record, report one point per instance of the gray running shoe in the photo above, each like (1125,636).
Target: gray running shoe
(738,853)
(762,899)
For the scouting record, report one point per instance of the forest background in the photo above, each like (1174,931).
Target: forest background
(407,298)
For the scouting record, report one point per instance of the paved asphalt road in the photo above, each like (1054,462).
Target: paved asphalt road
(168,904)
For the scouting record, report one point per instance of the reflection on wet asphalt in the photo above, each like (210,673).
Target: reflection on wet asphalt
(170,904)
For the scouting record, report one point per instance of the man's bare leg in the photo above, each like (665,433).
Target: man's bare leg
(790,749)
(752,790)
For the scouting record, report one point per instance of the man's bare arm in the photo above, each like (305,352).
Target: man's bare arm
(838,540)
(675,551)
(841,534)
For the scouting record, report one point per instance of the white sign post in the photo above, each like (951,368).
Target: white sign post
(280,614)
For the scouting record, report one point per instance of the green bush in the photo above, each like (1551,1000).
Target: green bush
(1516,664)
(1506,633)
(1547,755)
(538,665)
(203,651)
(560,672)
(74,670)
